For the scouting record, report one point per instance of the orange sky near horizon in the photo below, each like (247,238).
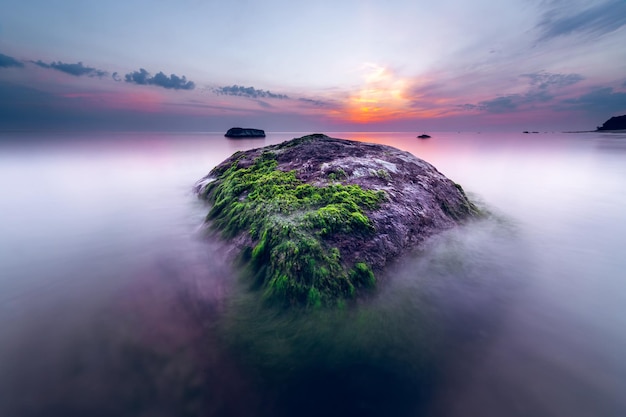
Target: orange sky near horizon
(384,96)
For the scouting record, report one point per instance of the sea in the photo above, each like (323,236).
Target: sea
(117,300)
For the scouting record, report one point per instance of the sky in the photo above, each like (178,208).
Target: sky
(291,65)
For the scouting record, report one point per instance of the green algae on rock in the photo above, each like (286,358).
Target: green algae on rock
(315,216)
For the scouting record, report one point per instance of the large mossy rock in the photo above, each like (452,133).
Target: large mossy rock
(316,218)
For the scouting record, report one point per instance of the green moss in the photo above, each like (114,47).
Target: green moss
(292,224)
(467,208)
(337,174)
(363,274)
(383,174)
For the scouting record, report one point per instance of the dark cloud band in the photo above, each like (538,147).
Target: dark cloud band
(543,87)
(250,92)
(599,19)
(544,80)
(174,82)
(503,104)
(7,61)
(602,100)
(77,69)
(316,103)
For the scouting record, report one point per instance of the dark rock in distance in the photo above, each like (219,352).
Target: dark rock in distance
(239,132)
(614,123)
(316,217)
(424,136)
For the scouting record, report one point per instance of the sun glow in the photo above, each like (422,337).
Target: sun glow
(382,96)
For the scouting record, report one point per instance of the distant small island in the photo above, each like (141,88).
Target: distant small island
(424,136)
(614,123)
(239,132)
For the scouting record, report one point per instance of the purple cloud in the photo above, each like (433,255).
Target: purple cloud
(544,80)
(174,82)
(77,69)
(7,61)
(599,19)
(603,100)
(250,92)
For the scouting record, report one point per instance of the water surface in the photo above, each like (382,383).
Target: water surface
(113,301)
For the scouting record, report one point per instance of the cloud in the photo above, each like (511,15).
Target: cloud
(542,88)
(544,80)
(250,92)
(7,61)
(316,103)
(598,103)
(537,96)
(598,20)
(77,69)
(509,103)
(263,104)
(602,100)
(503,104)
(138,77)
(174,82)
(116,77)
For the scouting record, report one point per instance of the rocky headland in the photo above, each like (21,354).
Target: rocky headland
(614,123)
(315,219)
(240,132)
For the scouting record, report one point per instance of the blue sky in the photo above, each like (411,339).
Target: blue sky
(295,65)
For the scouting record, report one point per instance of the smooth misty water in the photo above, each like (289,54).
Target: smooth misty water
(114,303)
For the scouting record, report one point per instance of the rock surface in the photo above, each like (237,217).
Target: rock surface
(239,132)
(317,218)
(614,123)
